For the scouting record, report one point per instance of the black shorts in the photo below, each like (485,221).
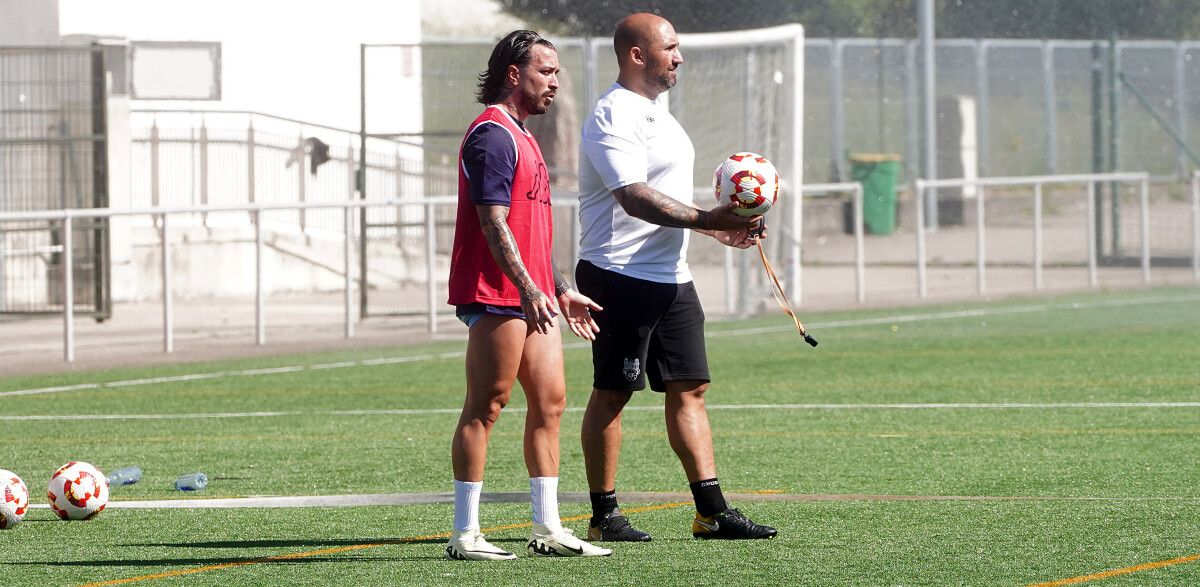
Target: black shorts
(647,329)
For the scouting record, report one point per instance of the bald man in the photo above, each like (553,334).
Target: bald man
(636,215)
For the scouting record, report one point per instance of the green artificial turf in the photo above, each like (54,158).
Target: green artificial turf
(901,402)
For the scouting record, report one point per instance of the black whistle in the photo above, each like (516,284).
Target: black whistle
(810,340)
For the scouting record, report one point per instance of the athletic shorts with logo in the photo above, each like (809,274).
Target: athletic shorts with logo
(648,330)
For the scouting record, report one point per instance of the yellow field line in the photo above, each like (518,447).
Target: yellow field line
(1116,572)
(352,547)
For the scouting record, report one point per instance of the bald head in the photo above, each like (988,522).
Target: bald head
(647,53)
(639,30)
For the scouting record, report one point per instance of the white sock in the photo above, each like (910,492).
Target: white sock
(543,495)
(466,504)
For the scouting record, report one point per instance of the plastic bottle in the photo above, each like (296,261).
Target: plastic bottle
(192,482)
(125,476)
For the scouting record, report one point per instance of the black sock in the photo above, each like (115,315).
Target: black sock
(603,502)
(708,496)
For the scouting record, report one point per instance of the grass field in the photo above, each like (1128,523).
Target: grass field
(1071,423)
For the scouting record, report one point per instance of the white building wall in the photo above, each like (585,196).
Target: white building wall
(292,58)
(28,22)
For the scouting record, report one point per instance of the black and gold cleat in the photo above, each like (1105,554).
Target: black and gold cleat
(616,528)
(730,524)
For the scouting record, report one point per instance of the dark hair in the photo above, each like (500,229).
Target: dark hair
(513,49)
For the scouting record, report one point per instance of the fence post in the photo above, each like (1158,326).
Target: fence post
(837,106)
(1181,121)
(203,170)
(1048,90)
(912,118)
(250,196)
(859,248)
(260,327)
(980,241)
(1196,226)
(347,254)
(1037,236)
(154,188)
(919,198)
(167,301)
(1145,221)
(981,107)
(1093,222)
(430,267)
(68,293)
(301,181)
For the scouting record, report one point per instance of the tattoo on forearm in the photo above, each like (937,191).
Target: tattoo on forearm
(643,202)
(493,222)
(561,285)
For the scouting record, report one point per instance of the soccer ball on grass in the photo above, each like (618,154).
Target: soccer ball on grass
(78,491)
(748,180)
(14,499)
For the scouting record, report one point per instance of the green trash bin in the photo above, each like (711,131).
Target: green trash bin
(877,173)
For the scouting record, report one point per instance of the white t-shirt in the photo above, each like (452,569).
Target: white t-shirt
(629,139)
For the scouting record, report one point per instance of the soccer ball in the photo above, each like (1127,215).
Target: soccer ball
(14,499)
(78,491)
(749,180)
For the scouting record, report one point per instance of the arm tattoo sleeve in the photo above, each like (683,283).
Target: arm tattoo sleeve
(492,220)
(646,203)
(561,285)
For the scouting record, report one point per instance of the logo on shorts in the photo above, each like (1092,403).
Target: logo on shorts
(632,369)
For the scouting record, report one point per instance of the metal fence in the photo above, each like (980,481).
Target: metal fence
(52,157)
(1077,266)
(1033,102)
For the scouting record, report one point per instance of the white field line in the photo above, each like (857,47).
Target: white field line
(395,499)
(456,411)
(904,318)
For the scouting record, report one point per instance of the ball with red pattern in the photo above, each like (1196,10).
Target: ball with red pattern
(14,499)
(748,180)
(78,491)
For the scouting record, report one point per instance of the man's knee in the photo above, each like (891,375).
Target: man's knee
(549,405)
(487,411)
(687,390)
(608,401)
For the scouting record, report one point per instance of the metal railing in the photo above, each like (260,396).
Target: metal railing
(161,215)
(168,219)
(920,187)
(855,190)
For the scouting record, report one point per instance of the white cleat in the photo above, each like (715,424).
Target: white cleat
(544,542)
(470,545)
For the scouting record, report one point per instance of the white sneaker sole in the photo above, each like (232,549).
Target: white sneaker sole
(453,553)
(543,548)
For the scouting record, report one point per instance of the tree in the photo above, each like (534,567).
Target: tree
(1057,19)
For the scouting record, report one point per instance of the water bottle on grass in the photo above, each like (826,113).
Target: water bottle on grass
(125,476)
(192,482)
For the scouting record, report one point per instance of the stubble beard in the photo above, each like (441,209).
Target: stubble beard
(534,103)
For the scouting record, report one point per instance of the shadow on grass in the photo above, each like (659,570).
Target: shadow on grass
(184,562)
(310,543)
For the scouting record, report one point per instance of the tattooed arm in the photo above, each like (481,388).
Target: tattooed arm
(646,203)
(539,309)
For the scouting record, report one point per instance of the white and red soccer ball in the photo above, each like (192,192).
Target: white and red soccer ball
(78,491)
(14,499)
(748,180)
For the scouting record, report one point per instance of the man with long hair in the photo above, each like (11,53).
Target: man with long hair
(507,291)
(636,213)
